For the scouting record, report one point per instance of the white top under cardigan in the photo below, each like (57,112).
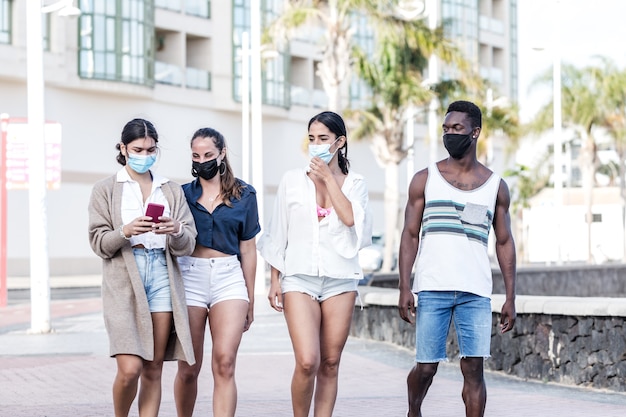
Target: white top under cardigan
(133,206)
(295,242)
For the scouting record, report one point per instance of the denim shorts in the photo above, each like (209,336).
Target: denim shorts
(472,321)
(319,288)
(152,266)
(211,280)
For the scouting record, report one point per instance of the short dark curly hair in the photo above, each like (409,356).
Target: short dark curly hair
(469,108)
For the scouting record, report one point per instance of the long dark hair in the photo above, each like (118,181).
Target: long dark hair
(335,124)
(135,129)
(229,184)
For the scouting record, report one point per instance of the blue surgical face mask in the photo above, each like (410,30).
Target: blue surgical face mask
(140,163)
(322,151)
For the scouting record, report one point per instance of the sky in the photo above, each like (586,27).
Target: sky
(588,28)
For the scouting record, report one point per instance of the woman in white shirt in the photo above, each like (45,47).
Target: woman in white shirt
(320,221)
(143,297)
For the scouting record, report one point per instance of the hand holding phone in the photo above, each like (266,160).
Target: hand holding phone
(155,211)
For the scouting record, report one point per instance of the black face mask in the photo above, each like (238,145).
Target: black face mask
(206,170)
(456,144)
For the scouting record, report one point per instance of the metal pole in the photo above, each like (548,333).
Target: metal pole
(433,78)
(4,126)
(410,145)
(257,124)
(558,127)
(39,274)
(245,106)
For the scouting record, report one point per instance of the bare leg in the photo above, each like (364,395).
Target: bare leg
(335,327)
(125,383)
(186,381)
(474,389)
(303,316)
(226,321)
(419,380)
(150,388)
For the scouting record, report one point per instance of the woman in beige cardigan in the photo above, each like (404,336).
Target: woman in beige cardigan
(142,290)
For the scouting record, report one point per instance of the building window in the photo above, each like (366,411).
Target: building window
(45,31)
(168,4)
(5,21)
(275,88)
(200,8)
(364,37)
(461,24)
(514,53)
(116,40)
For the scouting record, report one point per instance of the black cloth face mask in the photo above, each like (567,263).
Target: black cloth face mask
(206,170)
(457,144)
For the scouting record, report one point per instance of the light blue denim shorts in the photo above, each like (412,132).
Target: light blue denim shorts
(319,288)
(472,321)
(152,266)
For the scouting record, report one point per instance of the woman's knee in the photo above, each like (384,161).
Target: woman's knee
(330,366)
(152,370)
(308,365)
(188,373)
(129,372)
(224,365)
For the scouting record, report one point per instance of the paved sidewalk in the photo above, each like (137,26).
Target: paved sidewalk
(68,373)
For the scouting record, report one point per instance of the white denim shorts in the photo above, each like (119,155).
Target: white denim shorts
(211,280)
(319,288)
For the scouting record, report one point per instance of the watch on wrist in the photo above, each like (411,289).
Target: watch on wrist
(122,233)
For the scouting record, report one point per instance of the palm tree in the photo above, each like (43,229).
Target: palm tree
(581,113)
(394,77)
(527,182)
(613,104)
(334,17)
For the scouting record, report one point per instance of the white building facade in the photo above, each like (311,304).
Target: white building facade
(178,63)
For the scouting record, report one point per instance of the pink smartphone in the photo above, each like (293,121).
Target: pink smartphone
(155,210)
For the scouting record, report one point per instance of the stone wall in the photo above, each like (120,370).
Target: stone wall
(570,340)
(585,351)
(565,281)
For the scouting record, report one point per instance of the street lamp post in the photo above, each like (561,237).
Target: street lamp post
(558,128)
(411,10)
(433,78)
(245,106)
(39,264)
(39,272)
(256,108)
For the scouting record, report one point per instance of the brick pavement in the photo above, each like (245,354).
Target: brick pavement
(68,374)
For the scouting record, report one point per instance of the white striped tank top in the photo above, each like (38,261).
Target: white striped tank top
(455,230)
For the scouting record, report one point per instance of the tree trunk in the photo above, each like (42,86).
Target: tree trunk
(391,214)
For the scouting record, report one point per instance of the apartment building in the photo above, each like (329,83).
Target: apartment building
(178,63)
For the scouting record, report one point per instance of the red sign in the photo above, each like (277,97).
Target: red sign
(17,155)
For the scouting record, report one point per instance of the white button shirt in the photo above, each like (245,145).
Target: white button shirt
(133,206)
(295,242)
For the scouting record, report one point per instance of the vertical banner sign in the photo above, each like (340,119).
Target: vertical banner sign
(14,169)
(17,156)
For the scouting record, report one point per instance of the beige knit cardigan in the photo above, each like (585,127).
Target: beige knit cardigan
(125,306)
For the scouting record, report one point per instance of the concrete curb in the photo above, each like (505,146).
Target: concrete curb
(69,281)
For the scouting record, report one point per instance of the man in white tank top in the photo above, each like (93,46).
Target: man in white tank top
(451,208)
